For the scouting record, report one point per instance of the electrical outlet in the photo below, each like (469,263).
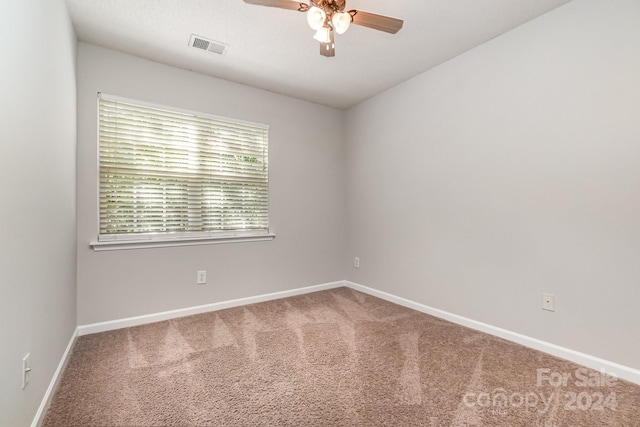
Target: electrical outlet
(549,302)
(26,369)
(356,262)
(202,277)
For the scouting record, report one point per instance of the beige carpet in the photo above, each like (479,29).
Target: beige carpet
(330,358)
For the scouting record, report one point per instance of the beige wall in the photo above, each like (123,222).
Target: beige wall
(512,170)
(37,212)
(306,162)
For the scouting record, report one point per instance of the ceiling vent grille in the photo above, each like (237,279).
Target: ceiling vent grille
(208,44)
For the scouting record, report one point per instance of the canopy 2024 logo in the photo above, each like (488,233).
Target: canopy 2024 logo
(500,401)
(582,377)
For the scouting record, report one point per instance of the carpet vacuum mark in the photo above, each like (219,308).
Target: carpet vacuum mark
(331,358)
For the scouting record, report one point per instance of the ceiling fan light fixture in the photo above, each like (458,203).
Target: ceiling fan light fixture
(341,21)
(327,16)
(316,17)
(322,35)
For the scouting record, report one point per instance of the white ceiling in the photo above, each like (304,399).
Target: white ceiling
(273,48)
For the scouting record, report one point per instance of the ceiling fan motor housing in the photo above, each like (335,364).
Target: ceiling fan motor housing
(331,5)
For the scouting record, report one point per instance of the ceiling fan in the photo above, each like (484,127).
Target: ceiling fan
(329,16)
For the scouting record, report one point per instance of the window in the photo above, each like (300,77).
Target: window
(170,175)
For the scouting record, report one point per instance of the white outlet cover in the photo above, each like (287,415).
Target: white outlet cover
(548,302)
(25,370)
(202,277)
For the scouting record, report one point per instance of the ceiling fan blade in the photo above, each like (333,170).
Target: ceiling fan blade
(282,4)
(377,22)
(328,49)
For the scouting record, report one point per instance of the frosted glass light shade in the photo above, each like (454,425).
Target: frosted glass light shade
(322,35)
(316,17)
(341,22)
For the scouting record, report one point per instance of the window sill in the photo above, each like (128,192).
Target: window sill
(116,245)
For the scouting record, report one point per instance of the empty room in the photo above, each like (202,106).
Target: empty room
(323,213)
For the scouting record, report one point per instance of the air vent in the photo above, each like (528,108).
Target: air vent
(208,44)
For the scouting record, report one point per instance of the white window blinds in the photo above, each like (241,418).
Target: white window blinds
(179,174)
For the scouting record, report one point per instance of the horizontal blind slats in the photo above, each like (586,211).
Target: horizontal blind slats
(112,108)
(169,172)
(148,134)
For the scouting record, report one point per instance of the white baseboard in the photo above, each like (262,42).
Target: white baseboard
(621,371)
(46,400)
(172,314)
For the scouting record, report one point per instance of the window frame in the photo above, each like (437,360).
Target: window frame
(168,239)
